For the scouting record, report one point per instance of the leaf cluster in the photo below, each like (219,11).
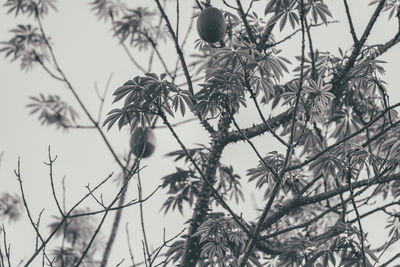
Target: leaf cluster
(30,7)
(145,97)
(27,44)
(222,241)
(53,111)
(10,206)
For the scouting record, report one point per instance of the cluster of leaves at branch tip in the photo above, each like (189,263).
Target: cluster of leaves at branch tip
(53,111)
(146,97)
(10,207)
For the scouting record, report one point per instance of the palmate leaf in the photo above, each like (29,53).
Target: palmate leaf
(27,45)
(229,182)
(175,250)
(103,9)
(391,145)
(310,141)
(198,154)
(53,111)
(29,7)
(174,180)
(346,124)
(263,85)
(25,37)
(214,250)
(10,206)
(273,6)
(262,174)
(184,187)
(319,10)
(290,93)
(69,257)
(145,97)
(136,23)
(173,202)
(329,165)
(390,6)
(274,65)
(289,13)
(222,89)
(324,64)
(319,94)
(221,238)
(393,224)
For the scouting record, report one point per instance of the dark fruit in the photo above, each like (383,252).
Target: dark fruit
(211,25)
(143,142)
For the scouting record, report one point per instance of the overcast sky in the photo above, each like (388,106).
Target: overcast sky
(87,53)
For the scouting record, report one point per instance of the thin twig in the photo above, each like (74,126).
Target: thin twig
(393,238)
(175,124)
(146,244)
(310,44)
(155,48)
(6,248)
(316,156)
(375,210)
(165,242)
(352,31)
(126,49)
(297,31)
(107,209)
(251,144)
(50,164)
(63,220)
(37,58)
(275,190)
(71,88)
(348,176)
(390,260)
(253,97)
(115,225)
(118,196)
(129,245)
(103,97)
(35,227)
(177,20)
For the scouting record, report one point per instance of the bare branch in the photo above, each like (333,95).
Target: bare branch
(352,31)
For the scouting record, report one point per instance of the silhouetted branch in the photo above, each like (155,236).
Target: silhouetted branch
(146,244)
(352,31)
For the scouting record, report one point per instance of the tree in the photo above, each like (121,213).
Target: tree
(339,139)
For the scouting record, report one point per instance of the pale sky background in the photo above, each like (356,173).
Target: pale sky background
(87,53)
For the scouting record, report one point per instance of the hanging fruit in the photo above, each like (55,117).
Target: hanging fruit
(211,25)
(143,142)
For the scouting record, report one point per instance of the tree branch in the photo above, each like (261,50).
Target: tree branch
(245,22)
(206,125)
(302,201)
(352,31)
(289,150)
(66,81)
